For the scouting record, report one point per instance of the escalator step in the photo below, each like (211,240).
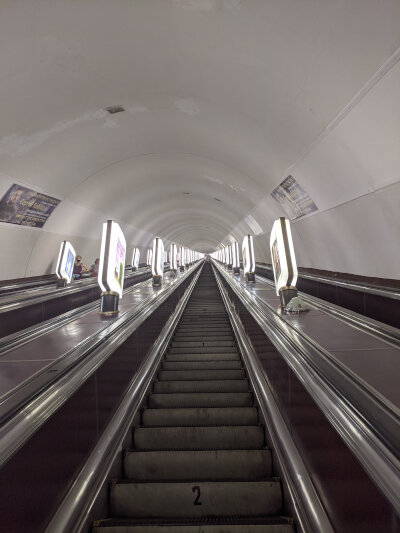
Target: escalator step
(124,526)
(223,385)
(202,357)
(204,349)
(176,375)
(182,337)
(202,344)
(200,416)
(201,399)
(202,365)
(195,499)
(200,465)
(197,438)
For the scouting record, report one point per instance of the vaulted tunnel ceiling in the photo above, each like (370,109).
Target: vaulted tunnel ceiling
(222,100)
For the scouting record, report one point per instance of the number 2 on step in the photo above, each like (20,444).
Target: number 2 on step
(196,489)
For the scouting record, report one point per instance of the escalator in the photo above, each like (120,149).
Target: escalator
(198,459)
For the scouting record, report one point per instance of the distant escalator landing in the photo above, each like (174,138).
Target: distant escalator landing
(199,461)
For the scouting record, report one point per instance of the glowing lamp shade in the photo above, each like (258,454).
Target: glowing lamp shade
(157,262)
(65,261)
(282,253)
(248,255)
(135,257)
(149,257)
(112,258)
(173,257)
(235,255)
(182,257)
(229,254)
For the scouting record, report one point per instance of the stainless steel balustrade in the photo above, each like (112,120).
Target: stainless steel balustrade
(369,325)
(369,424)
(351,285)
(74,509)
(310,513)
(12,341)
(15,432)
(15,301)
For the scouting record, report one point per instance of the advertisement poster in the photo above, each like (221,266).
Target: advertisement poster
(119,263)
(69,264)
(276,260)
(293,198)
(25,207)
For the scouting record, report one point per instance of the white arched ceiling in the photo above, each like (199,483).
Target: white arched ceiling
(223,99)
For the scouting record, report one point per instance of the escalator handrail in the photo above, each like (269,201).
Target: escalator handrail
(72,514)
(15,432)
(370,447)
(307,505)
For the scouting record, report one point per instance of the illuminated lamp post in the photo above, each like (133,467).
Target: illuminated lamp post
(248,259)
(229,257)
(135,259)
(65,264)
(182,262)
(111,267)
(149,257)
(284,266)
(235,258)
(157,263)
(173,257)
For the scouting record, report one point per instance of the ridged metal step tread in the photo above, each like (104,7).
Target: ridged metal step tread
(199,438)
(223,385)
(195,499)
(202,365)
(190,325)
(203,349)
(200,465)
(214,524)
(202,357)
(176,375)
(201,399)
(203,343)
(200,416)
(123,526)
(200,338)
(204,321)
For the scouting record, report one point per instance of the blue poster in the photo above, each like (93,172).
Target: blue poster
(25,207)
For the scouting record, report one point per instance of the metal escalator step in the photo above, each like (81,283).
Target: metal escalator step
(183,337)
(202,344)
(216,465)
(202,365)
(225,385)
(204,319)
(202,357)
(201,399)
(202,437)
(192,331)
(126,526)
(176,375)
(195,499)
(204,349)
(200,416)
(194,323)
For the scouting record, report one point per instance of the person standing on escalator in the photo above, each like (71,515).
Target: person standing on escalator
(79,268)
